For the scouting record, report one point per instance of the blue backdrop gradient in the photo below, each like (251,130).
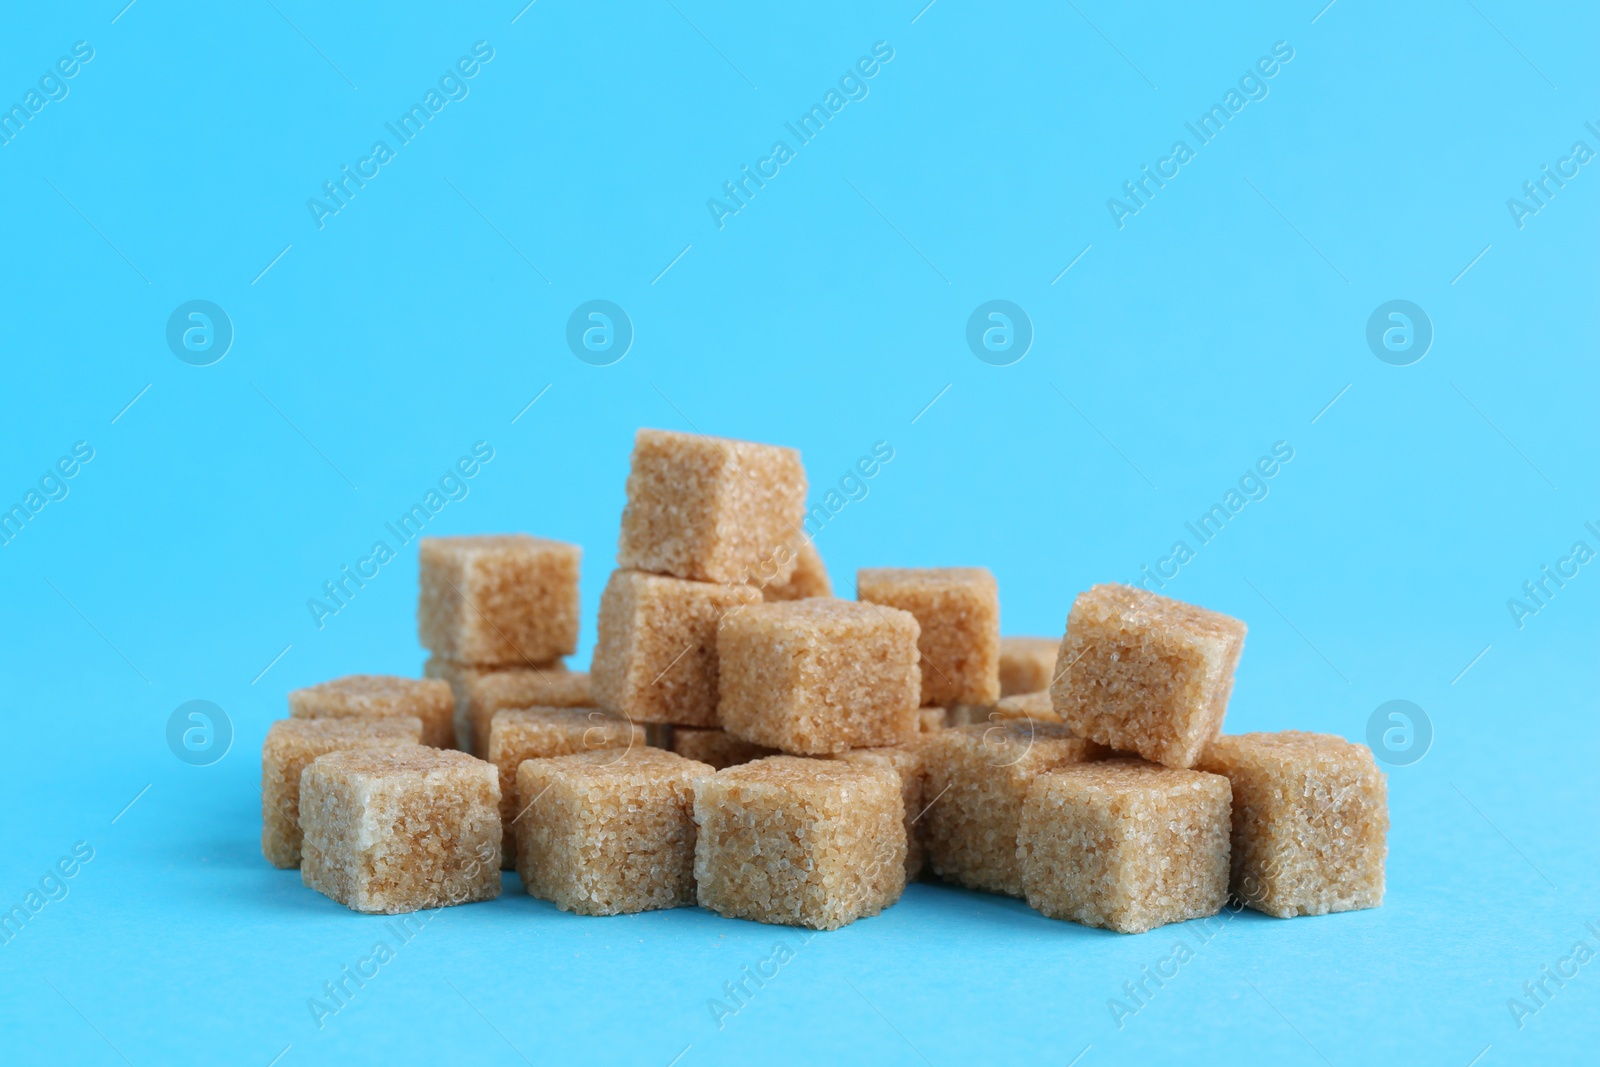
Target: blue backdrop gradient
(1180,332)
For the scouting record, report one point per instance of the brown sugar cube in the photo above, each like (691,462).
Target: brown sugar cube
(381,696)
(907,763)
(969,714)
(934,718)
(810,577)
(1146,674)
(1027,664)
(976,780)
(293,743)
(819,676)
(800,842)
(1036,706)
(521,688)
(958,610)
(711,509)
(517,734)
(1125,844)
(718,748)
(482,691)
(1310,821)
(656,659)
(398,830)
(499,599)
(609,833)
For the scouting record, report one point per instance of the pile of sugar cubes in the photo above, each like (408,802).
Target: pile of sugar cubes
(746,742)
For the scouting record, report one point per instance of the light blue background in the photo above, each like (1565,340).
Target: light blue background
(1224,317)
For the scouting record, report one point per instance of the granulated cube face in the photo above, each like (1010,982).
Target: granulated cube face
(976,779)
(609,833)
(819,676)
(400,830)
(656,660)
(711,509)
(498,600)
(907,763)
(482,691)
(1310,821)
(1036,706)
(381,696)
(1146,674)
(1027,664)
(534,733)
(293,743)
(800,842)
(1126,845)
(716,747)
(958,610)
(810,577)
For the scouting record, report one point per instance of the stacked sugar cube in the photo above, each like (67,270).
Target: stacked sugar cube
(718,625)
(498,614)
(748,742)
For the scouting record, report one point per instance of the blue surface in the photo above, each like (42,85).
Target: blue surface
(1228,313)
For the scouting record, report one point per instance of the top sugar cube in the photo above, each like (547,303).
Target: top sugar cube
(1145,673)
(958,609)
(711,509)
(498,599)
